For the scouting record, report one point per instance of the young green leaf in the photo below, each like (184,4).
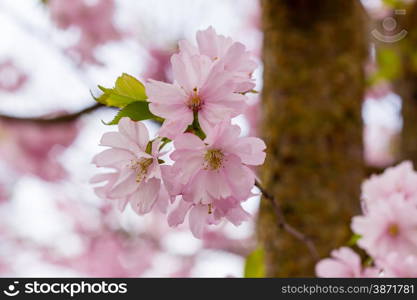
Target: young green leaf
(129,86)
(354,239)
(126,90)
(255,265)
(136,111)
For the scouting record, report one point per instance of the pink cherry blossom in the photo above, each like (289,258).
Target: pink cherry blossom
(209,169)
(389,225)
(396,265)
(344,263)
(213,176)
(201,88)
(400,179)
(233,56)
(137,176)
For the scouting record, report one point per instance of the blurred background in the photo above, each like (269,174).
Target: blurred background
(53,54)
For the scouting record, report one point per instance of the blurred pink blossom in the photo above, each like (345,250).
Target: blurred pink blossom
(219,240)
(380,145)
(159,66)
(397,265)
(401,179)
(378,90)
(33,148)
(344,263)
(253,115)
(4,193)
(11,77)
(389,225)
(94,20)
(109,254)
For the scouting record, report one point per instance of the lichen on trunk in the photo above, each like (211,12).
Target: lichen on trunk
(313,55)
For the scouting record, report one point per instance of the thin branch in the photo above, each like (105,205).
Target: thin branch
(56,119)
(282,223)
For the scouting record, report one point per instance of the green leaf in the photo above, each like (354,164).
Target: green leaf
(136,111)
(255,265)
(354,239)
(129,86)
(126,90)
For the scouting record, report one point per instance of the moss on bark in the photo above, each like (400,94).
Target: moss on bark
(313,55)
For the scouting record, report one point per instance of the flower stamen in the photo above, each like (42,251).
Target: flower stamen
(141,167)
(393,230)
(195,103)
(214,159)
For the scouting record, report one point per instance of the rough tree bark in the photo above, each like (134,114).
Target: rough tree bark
(314,53)
(407,86)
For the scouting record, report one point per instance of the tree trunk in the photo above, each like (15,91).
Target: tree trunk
(314,53)
(407,87)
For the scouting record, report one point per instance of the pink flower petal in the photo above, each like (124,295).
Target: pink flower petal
(197,219)
(145,197)
(177,216)
(113,158)
(136,132)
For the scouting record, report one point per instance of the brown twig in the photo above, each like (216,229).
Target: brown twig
(56,119)
(282,223)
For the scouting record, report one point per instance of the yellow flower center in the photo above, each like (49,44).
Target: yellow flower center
(195,103)
(393,230)
(214,159)
(141,167)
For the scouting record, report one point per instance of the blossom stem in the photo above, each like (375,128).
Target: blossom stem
(282,223)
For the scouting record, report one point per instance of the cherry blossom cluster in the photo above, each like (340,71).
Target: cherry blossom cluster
(387,230)
(212,170)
